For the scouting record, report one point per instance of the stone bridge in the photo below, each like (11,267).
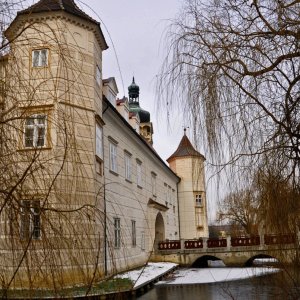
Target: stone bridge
(233,251)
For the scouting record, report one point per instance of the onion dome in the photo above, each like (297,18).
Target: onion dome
(133,91)
(134,105)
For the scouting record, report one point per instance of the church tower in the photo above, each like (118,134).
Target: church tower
(188,164)
(146,128)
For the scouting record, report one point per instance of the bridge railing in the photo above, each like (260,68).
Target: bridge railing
(283,239)
(216,243)
(204,243)
(245,241)
(193,244)
(169,245)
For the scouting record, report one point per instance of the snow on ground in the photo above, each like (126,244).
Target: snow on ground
(148,273)
(210,275)
(152,271)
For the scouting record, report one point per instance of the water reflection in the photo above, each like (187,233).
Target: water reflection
(283,285)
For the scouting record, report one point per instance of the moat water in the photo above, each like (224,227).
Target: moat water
(284,285)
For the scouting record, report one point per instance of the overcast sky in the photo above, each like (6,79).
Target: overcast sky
(136,28)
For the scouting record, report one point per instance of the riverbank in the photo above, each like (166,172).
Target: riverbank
(150,273)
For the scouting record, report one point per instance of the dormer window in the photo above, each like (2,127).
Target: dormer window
(40,58)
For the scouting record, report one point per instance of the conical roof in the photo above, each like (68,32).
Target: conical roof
(68,6)
(185,148)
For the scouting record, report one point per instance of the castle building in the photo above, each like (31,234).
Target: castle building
(85,194)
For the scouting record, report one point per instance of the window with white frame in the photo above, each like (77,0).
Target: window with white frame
(98,75)
(113,166)
(133,233)
(99,141)
(30,220)
(139,173)
(40,58)
(127,159)
(35,131)
(117,230)
(153,183)
(198,199)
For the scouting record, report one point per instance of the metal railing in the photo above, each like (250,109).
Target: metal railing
(204,243)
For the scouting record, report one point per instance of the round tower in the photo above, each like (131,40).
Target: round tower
(188,164)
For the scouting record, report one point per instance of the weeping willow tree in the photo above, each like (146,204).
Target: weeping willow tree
(233,65)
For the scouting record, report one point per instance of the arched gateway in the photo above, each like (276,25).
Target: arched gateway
(159,229)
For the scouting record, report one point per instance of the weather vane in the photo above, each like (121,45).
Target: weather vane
(185,128)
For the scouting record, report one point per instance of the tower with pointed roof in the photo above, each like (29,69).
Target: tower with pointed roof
(188,164)
(146,127)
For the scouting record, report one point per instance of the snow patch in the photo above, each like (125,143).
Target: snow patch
(210,275)
(148,273)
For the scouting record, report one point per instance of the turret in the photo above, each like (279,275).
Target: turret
(188,164)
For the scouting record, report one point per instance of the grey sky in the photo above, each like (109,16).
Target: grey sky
(136,28)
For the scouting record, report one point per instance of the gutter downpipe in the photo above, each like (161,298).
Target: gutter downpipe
(105,217)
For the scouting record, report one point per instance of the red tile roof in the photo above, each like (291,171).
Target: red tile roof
(185,148)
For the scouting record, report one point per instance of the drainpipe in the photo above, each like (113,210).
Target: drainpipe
(105,229)
(179,233)
(105,216)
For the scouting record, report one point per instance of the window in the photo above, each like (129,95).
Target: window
(30,225)
(139,174)
(117,229)
(40,58)
(99,141)
(153,183)
(113,157)
(127,158)
(133,233)
(35,131)
(198,199)
(98,75)
(143,240)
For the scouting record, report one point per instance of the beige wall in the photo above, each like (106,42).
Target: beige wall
(193,219)
(127,201)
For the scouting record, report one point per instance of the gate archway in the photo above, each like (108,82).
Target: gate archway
(159,229)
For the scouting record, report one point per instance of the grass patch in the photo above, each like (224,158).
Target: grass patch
(110,286)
